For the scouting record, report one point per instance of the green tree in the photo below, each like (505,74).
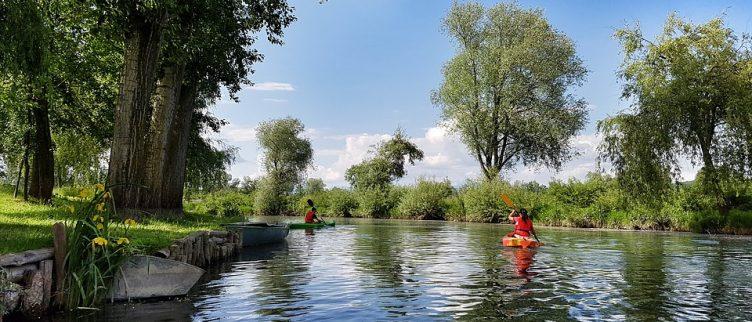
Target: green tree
(387,165)
(206,160)
(287,155)
(506,91)
(78,159)
(692,97)
(55,63)
(179,54)
(312,186)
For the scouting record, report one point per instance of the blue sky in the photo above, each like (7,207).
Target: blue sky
(353,71)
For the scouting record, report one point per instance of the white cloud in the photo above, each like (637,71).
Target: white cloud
(275,100)
(355,150)
(237,133)
(445,156)
(272,86)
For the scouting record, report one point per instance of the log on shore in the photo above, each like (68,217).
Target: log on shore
(16,273)
(27,257)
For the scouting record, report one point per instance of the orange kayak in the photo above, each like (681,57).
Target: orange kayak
(520,242)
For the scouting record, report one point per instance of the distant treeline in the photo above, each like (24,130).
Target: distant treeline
(596,202)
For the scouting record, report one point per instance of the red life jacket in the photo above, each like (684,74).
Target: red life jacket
(309,216)
(523,227)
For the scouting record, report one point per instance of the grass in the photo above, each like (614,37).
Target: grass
(27,225)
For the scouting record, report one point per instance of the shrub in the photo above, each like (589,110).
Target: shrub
(271,199)
(483,202)
(426,200)
(373,203)
(455,208)
(223,203)
(341,202)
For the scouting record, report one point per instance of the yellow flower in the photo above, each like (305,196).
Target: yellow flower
(100,226)
(99,241)
(100,206)
(130,222)
(99,187)
(96,218)
(123,240)
(71,209)
(82,193)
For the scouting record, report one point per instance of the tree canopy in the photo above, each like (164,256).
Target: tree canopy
(506,91)
(692,98)
(387,165)
(287,154)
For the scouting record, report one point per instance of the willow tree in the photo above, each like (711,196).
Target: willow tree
(57,76)
(206,48)
(201,46)
(286,157)
(506,91)
(691,90)
(387,165)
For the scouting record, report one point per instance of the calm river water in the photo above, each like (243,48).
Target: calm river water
(384,269)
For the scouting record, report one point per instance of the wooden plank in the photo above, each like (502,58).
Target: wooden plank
(46,268)
(60,249)
(16,273)
(27,257)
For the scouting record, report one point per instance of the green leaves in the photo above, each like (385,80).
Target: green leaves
(691,93)
(287,156)
(506,90)
(386,166)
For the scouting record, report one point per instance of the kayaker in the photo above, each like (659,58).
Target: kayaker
(523,225)
(310,217)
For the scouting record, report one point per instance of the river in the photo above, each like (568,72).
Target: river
(370,270)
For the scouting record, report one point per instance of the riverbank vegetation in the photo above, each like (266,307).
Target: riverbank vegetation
(596,202)
(75,112)
(27,225)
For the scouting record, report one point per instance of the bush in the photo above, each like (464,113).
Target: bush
(482,200)
(341,202)
(221,203)
(455,208)
(426,200)
(271,200)
(373,203)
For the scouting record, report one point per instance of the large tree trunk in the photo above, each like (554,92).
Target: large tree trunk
(43,159)
(160,149)
(712,182)
(133,113)
(24,162)
(177,151)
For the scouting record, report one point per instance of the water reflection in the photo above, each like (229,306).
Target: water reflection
(383,270)
(523,258)
(645,278)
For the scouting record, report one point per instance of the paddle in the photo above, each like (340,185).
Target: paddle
(510,204)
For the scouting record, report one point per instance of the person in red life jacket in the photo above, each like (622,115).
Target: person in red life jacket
(310,217)
(523,225)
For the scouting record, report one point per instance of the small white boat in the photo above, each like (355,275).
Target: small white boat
(260,233)
(143,276)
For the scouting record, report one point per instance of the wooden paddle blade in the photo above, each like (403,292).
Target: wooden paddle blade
(507,201)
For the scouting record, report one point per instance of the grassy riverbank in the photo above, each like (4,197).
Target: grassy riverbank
(26,225)
(597,202)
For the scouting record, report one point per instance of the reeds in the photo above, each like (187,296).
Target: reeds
(98,243)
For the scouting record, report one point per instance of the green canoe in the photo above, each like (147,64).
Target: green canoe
(307,226)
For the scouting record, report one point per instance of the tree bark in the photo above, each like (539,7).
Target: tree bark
(162,133)
(24,162)
(133,111)
(26,175)
(43,160)
(712,181)
(178,144)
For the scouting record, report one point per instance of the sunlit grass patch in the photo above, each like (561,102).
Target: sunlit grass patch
(26,225)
